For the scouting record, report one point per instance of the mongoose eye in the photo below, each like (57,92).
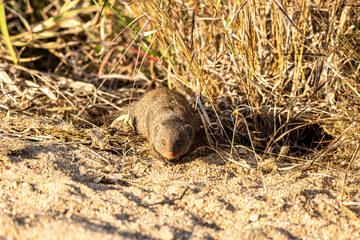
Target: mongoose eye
(179,143)
(163,142)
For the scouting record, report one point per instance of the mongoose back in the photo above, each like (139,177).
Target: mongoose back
(167,120)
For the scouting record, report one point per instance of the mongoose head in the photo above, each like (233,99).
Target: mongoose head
(173,139)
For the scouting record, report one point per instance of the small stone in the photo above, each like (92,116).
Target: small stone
(254,217)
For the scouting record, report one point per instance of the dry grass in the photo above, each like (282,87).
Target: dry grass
(263,75)
(276,85)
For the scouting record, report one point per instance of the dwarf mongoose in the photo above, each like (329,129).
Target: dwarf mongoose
(167,120)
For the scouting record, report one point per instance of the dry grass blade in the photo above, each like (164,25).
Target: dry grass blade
(287,17)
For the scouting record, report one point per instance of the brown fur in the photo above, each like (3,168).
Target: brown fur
(166,119)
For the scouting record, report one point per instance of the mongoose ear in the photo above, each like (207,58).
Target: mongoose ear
(157,128)
(190,130)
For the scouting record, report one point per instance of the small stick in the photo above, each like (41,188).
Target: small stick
(168,201)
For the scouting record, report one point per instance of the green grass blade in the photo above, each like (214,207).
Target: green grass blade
(5,33)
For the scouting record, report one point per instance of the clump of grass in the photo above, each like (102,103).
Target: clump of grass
(266,70)
(264,74)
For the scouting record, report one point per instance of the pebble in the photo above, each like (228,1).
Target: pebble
(254,217)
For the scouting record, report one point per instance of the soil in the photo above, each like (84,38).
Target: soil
(74,191)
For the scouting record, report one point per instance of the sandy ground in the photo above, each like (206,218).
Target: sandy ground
(75,192)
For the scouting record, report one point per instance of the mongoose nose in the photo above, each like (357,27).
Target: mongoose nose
(171,154)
